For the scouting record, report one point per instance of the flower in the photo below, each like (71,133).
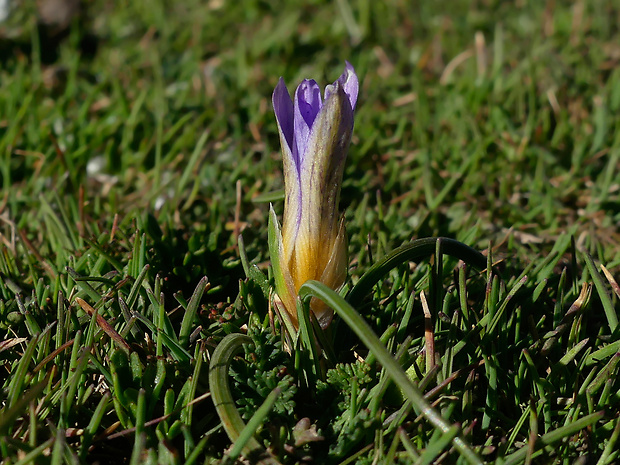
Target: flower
(315,134)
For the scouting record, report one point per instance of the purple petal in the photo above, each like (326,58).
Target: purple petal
(283,108)
(307,105)
(349,82)
(308,98)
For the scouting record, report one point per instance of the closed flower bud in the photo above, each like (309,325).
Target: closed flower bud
(315,133)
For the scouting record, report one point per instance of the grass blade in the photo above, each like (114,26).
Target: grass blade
(554,436)
(190,312)
(608,306)
(413,251)
(223,400)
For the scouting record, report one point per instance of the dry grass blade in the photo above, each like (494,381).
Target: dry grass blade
(104,325)
(612,281)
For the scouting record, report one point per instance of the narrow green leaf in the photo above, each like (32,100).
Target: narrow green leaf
(59,447)
(554,436)
(34,454)
(191,166)
(190,312)
(93,425)
(139,435)
(438,446)
(603,353)
(247,434)
(610,311)
(135,288)
(311,364)
(606,456)
(413,251)
(223,400)
(269,197)
(19,375)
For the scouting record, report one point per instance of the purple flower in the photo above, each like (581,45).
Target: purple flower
(315,134)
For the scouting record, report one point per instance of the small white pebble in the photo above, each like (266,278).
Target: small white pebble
(5,9)
(95,166)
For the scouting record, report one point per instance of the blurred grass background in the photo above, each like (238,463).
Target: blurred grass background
(494,114)
(141,133)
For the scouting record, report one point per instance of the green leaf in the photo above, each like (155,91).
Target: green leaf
(224,402)
(553,437)
(190,312)
(413,251)
(610,312)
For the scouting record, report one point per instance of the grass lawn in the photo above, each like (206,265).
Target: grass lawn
(138,142)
